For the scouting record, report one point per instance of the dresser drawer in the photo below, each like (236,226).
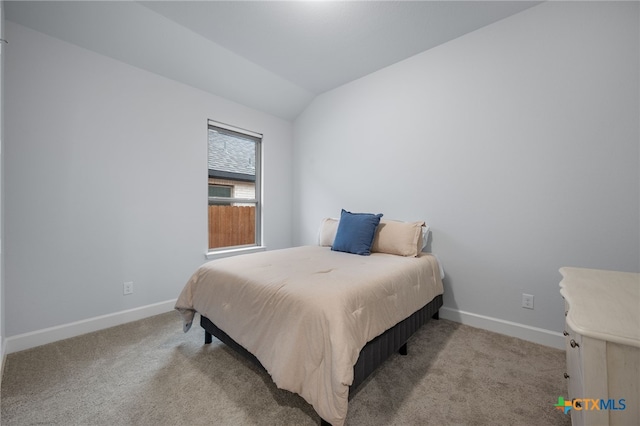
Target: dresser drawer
(575,383)
(573,344)
(574,364)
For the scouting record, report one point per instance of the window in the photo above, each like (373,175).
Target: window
(221,191)
(234,187)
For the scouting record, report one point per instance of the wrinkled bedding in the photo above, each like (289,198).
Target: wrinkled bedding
(306,312)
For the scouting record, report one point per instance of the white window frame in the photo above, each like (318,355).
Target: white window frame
(213,253)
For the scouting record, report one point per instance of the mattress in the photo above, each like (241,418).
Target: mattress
(306,312)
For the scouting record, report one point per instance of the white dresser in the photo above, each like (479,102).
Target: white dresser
(603,345)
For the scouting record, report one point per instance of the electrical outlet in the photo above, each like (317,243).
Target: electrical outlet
(527,301)
(127,288)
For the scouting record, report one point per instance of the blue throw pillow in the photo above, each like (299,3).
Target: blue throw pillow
(355,232)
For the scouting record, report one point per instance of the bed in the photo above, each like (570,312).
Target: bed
(318,320)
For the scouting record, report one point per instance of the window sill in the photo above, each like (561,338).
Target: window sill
(217,254)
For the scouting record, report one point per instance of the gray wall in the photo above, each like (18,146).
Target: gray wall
(2,333)
(518,143)
(106,182)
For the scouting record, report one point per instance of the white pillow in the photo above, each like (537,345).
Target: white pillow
(425,236)
(327,232)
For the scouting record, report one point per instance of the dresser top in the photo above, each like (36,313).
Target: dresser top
(603,304)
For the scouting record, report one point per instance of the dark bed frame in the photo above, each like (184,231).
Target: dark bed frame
(374,353)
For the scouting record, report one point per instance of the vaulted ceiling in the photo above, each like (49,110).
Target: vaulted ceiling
(275,56)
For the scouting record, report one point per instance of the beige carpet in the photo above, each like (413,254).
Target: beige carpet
(150,373)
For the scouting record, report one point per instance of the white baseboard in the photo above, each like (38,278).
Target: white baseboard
(3,347)
(513,329)
(65,331)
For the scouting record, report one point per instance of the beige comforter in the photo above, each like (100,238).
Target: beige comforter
(306,312)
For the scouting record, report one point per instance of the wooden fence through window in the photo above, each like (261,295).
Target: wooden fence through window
(231,226)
